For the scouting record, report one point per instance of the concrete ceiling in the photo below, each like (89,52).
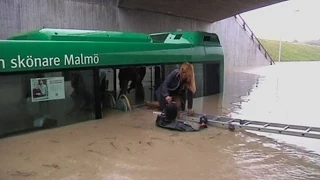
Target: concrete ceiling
(205,10)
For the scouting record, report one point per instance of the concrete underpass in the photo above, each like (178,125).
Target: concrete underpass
(127,145)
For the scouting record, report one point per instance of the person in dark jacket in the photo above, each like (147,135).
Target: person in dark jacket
(177,85)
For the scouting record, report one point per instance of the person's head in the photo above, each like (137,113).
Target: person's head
(40,81)
(171,111)
(187,74)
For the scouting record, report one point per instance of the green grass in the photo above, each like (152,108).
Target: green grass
(292,51)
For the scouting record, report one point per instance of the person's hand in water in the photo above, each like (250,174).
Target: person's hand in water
(169,99)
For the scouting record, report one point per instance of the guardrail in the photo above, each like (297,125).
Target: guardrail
(247,29)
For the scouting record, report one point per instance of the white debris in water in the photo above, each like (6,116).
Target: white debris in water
(116,176)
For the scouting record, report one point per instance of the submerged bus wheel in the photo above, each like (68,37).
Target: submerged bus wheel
(126,99)
(111,101)
(123,103)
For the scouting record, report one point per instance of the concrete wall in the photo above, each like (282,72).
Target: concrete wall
(241,53)
(240,50)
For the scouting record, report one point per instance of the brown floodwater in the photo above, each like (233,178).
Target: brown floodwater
(126,146)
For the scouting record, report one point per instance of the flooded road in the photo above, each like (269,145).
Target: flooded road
(285,93)
(126,146)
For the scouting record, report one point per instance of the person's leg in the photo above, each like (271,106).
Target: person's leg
(178,100)
(123,87)
(183,102)
(153,104)
(162,103)
(159,103)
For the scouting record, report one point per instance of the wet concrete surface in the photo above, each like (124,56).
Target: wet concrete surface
(126,146)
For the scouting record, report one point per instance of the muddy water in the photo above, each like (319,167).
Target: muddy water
(127,146)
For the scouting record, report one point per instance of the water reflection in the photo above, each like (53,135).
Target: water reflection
(285,93)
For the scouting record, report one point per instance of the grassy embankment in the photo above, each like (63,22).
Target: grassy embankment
(292,51)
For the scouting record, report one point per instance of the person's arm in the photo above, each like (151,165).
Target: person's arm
(170,77)
(190,99)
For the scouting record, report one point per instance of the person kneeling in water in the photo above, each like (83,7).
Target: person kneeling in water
(167,120)
(178,84)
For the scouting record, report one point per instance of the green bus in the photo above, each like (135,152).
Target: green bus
(55,77)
